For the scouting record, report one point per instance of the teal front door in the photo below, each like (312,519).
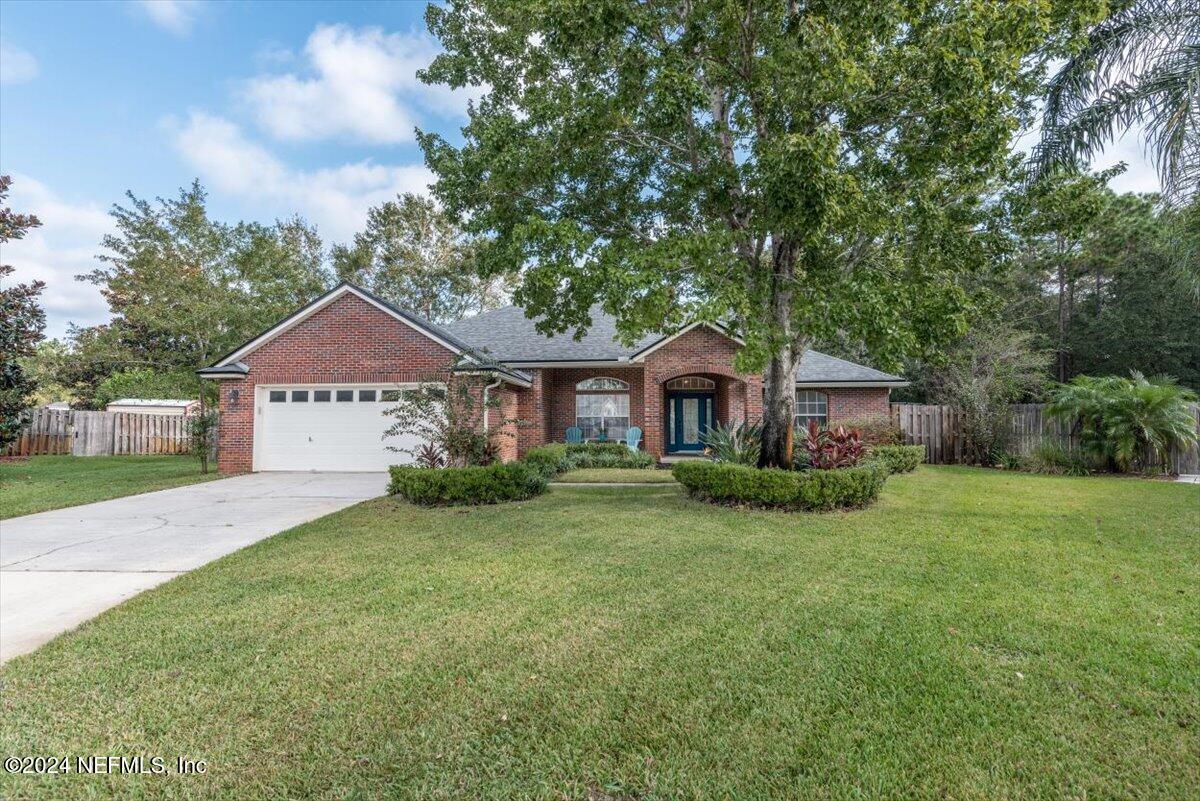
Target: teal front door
(689,416)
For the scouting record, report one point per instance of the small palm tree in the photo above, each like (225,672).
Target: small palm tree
(1121,420)
(1140,65)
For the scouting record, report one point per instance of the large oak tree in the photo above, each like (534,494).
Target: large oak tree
(800,170)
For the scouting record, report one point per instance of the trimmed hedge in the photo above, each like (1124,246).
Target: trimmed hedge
(593,448)
(458,486)
(552,460)
(809,490)
(898,458)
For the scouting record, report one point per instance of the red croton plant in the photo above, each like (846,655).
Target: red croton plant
(833,448)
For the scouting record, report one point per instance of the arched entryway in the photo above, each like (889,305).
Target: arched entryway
(689,411)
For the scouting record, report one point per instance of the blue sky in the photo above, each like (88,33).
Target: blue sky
(278,108)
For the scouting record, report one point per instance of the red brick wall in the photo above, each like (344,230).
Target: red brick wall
(502,423)
(348,341)
(850,403)
(560,396)
(531,412)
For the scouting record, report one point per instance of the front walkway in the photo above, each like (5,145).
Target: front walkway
(60,568)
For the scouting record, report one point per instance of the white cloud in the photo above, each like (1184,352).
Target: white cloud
(1140,174)
(64,246)
(16,65)
(174,16)
(336,199)
(362,85)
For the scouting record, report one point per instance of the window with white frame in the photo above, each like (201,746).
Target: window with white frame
(811,405)
(694,383)
(602,408)
(594,384)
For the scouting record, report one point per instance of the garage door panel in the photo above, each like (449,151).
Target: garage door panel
(328,434)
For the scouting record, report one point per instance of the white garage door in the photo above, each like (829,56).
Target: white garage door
(327,428)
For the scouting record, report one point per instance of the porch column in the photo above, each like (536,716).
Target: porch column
(652,424)
(531,411)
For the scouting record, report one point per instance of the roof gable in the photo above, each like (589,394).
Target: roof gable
(230,362)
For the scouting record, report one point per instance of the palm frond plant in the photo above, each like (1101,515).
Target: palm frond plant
(1141,65)
(1125,420)
(738,443)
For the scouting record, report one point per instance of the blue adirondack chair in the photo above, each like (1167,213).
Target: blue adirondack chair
(574,435)
(633,437)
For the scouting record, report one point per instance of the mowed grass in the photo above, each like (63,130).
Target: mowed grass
(976,635)
(615,475)
(41,483)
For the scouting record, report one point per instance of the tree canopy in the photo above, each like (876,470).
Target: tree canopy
(797,170)
(184,288)
(415,256)
(22,322)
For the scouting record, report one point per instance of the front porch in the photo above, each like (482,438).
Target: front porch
(673,412)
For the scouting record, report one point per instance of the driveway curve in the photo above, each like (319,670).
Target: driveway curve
(60,568)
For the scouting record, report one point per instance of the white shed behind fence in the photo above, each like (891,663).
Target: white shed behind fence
(153,406)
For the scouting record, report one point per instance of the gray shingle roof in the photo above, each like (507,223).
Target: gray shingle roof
(507,335)
(820,368)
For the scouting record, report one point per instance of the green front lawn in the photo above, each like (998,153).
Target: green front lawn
(53,482)
(976,635)
(615,475)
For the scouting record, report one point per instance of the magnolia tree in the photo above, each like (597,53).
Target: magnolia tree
(799,170)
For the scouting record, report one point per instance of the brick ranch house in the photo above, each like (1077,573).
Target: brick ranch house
(309,393)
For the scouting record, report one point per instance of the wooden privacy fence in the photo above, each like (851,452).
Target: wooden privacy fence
(940,430)
(51,432)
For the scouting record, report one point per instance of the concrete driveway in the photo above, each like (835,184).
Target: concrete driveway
(57,569)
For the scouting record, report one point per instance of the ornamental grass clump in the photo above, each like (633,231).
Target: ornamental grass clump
(736,443)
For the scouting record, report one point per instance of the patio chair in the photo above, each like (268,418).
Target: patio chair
(633,437)
(574,435)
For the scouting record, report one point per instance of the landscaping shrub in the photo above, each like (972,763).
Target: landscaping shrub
(606,454)
(738,443)
(830,449)
(1124,421)
(458,486)
(593,448)
(875,430)
(549,460)
(811,490)
(1052,459)
(898,458)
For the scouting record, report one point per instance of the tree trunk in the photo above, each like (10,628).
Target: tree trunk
(779,408)
(779,403)
(1061,350)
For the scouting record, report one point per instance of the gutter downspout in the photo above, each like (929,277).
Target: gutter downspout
(485,401)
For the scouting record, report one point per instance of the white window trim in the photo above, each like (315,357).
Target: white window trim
(617,393)
(669,388)
(609,390)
